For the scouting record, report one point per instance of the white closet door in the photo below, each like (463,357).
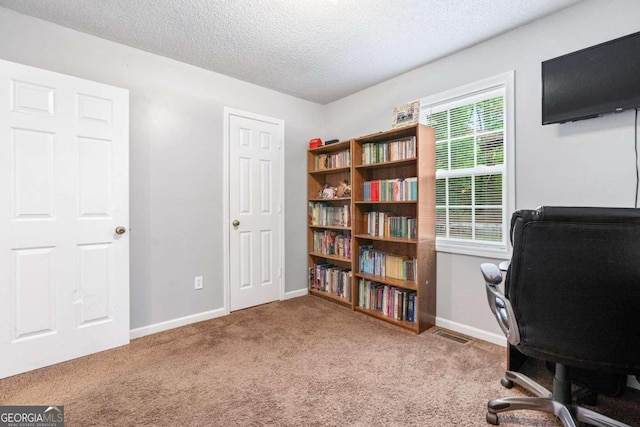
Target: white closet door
(64,270)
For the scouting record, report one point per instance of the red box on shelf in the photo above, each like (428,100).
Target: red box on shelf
(315,143)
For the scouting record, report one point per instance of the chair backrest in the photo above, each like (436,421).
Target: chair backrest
(574,284)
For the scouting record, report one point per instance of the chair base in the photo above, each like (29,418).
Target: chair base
(544,401)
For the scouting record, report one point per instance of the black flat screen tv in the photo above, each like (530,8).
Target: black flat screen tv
(591,82)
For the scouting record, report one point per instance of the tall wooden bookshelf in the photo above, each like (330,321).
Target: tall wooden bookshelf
(394,174)
(329,224)
(392,226)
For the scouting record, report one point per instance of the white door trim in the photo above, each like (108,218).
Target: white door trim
(228,112)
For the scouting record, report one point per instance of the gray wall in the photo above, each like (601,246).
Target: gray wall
(583,163)
(176,136)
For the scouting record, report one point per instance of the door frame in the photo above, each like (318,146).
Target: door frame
(226,170)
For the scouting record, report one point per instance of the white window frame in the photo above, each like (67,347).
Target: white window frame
(463,94)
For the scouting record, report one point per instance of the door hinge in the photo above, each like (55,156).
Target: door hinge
(279,207)
(280,272)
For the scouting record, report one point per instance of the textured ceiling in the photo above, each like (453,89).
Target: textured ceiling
(319,50)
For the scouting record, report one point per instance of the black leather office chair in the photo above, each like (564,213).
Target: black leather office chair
(571,297)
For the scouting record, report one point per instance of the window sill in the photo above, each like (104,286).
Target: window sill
(481,251)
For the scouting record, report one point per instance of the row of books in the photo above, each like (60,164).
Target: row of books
(332,279)
(399,304)
(339,159)
(384,224)
(325,214)
(380,152)
(384,264)
(398,189)
(329,242)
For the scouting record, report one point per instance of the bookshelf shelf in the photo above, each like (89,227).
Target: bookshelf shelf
(385,239)
(404,284)
(386,202)
(335,199)
(329,227)
(330,171)
(330,296)
(331,257)
(378,315)
(396,164)
(387,164)
(338,146)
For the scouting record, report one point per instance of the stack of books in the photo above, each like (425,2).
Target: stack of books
(381,152)
(399,304)
(330,278)
(328,242)
(340,159)
(326,214)
(382,224)
(383,264)
(397,190)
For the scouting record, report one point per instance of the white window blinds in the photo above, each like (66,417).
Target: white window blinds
(471,177)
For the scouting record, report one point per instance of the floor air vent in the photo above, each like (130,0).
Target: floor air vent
(451,337)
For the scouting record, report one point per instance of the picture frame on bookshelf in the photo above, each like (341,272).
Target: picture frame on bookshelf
(406,115)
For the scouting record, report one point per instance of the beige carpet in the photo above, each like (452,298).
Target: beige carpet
(301,362)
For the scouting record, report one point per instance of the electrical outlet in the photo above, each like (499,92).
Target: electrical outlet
(198,283)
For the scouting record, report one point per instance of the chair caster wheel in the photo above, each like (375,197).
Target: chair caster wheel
(506,383)
(492,418)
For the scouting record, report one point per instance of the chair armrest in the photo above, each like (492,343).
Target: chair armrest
(491,273)
(499,304)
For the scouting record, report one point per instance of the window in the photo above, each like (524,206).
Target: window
(474,165)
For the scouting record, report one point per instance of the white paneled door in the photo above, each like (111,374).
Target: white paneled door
(64,245)
(255,209)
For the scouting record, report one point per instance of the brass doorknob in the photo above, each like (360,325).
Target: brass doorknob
(235,223)
(121,230)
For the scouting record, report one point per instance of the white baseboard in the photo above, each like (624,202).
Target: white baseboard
(176,323)
(194,318)
(296,294)
(471,331)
